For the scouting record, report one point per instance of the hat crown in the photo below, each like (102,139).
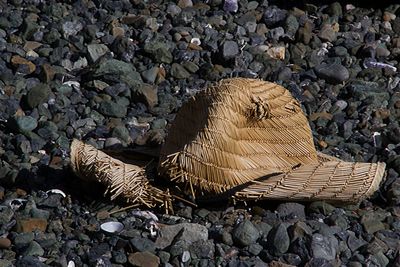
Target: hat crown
(234,132)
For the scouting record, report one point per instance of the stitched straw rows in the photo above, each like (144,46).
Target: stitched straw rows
(338,181)
(226,139)
(122,180)
(235,132)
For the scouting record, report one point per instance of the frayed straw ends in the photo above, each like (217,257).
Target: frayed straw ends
(122,180)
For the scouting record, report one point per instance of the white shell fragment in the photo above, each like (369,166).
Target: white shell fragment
(74,84)
(112,227)
(185,256)
(16,203)
(56,191)
(195,41)
(71,264)
(145,214)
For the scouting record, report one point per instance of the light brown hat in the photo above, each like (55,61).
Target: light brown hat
(250,139)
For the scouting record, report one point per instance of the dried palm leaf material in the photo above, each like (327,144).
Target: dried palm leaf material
(124,180)
(243,138)
(233,133)
(331,180)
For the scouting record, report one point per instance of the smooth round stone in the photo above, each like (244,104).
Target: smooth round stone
(333,73)
(5,243)
(245,233)
(279,240)
(25,123)
(110,108)
(144,259)
(37,95)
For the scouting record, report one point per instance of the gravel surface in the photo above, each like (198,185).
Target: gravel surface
(113,73)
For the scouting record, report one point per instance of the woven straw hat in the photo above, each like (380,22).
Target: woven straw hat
(248,139)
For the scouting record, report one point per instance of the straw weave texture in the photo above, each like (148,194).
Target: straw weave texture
(128,181)
(326,180)
(235,132)
(239,130)
(245,138)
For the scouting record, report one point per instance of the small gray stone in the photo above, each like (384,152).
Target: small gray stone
(371,223)
(245,233)
(142,244)
(110,108)
(6,263)
(160,124)
(96,51)
(122,133)
(355,243)
(46,240)
(71,28)
(264,228)
(276,33)
(334,73)
(120,69)
(288,211)
(150,75)
(113,67)
(202,249)
(300,230)
(274,15)
(335,9)
(279,240)
(340,51)
(37,95)
(52,201)
(164,256)
(190,66)
(173,9)
(291,25)
(321,207)
(380,259)
(188,233)
(33,249)
(227,238)
(255,249)
(6,213)
(119,256)
(327,33)
(354,264)
(31,261)
(23,239)
(338,220)
(179,72)
(112,142)
(382,51)
(396,25)
(40,213)
(304,34)
(230,49)
(159,52)
(324,247)
(25,123)
(362,90)
(64,89)
(202,213)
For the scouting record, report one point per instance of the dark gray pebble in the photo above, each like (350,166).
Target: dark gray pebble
(333,73)
(245,233)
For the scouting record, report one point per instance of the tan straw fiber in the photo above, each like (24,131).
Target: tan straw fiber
(239,130)
(126,180)
(243,137)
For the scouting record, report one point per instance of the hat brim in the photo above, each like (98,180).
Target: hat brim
(330,179)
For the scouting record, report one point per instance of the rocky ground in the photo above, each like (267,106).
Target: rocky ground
(113,73)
